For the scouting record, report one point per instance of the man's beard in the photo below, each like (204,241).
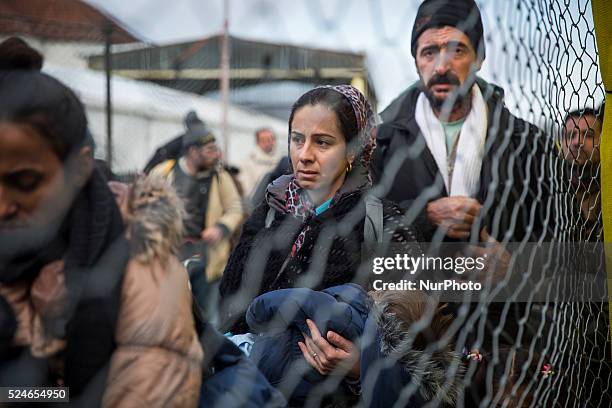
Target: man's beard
(206,165)
(453,99)
(202,167)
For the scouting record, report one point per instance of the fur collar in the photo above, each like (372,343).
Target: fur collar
(155,219)
(428,369)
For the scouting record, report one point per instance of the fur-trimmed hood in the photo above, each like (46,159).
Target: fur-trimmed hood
(154,216)
(399,334)
(401,359)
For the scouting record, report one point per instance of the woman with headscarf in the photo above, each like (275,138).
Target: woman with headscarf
(86,301)
(309,230)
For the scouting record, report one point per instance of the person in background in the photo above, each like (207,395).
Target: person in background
(172,149)
(282,167)
(580,149)
(86,301)
(213,207)
(259,162)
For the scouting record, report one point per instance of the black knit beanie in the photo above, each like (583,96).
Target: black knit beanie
(197,134)
(461,14)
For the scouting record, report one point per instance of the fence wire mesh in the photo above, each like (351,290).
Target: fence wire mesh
(544,186)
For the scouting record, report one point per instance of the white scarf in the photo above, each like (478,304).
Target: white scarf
(470,148)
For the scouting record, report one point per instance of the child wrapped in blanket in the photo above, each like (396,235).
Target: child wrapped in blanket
(403,351)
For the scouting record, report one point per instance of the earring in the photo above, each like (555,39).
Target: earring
(349,167)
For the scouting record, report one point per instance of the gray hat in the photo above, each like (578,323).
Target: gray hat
(198,133)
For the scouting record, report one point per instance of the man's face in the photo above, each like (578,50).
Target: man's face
(582,137)
(266,140)
(205,157)
(447,64)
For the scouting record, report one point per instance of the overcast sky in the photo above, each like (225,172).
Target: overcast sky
(381,28)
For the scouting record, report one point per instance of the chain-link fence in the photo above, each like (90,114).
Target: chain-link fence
(546,343)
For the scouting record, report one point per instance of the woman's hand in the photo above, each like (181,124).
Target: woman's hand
(327,355)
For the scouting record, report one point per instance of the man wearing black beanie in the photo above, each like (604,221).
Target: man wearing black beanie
(470,145)
(458,161)
(212,205)
(461,14)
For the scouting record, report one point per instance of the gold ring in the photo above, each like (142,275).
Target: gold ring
(314,355)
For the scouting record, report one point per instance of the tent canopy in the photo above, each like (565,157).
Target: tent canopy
(146,116)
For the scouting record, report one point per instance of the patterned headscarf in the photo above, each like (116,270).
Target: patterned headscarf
(366,120)
(297,201)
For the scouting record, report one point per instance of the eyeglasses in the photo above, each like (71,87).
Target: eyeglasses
(210,148)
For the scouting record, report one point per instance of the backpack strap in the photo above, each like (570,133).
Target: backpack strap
(269,217)
(168,167)
(373,225)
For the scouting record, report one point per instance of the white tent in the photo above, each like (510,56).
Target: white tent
(146,116)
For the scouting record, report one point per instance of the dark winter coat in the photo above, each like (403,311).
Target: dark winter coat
(388,361)
(231,379)
(515,183)
(331,254)
(281,316)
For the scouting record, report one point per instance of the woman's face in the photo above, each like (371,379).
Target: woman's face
(318,151)
(31,177)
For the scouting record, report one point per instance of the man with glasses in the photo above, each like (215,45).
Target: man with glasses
(212,205)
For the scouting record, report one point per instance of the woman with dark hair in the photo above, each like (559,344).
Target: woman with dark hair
(309,230)
(86,301)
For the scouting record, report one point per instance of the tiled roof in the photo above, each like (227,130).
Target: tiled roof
(71,20)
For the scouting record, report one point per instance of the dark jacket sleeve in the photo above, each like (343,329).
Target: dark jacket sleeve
(233,309)
(232,276)
(8,328)
(534,161)
(403,228)
(379,156)
(277,310)
(383,379)
(234,380)
(542,184)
